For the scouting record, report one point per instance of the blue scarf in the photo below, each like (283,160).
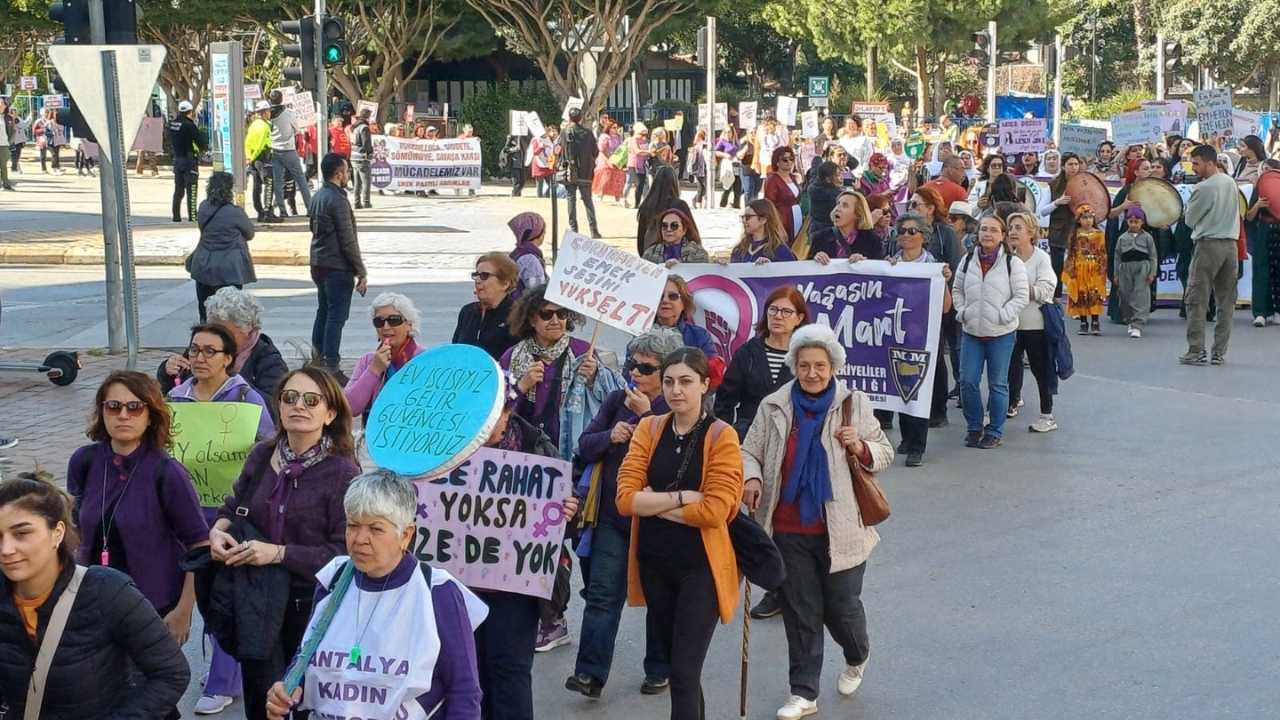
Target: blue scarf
(810,483)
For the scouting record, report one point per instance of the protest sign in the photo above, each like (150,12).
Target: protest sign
(1137,127)
(519,123)
(534,123)
(886,316)
(747,115)
(28,82)
(410,113)
(496,520)
(409,164)
(52,102)
(288,93)
(809,124)
(677,122)
(721,114)
(786,113)
(570,104)
(1172,114)
(607,284)
(212,440)
(150,135)
(1082,140)
(1022,135)
(435,411)
(1244,123)
(252,91)
(304,109)
(863,109)
(1213,110)
(672,125)
(369,105)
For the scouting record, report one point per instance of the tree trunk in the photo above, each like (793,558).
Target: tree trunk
(939,90)
(1273,84)
(1143,35)
(922,82)
(873,62)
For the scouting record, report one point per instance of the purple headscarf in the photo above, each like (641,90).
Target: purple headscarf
(526,226)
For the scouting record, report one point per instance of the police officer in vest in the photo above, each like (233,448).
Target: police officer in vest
(187,143)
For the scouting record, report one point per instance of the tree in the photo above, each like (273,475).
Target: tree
(582,47)
(26,24)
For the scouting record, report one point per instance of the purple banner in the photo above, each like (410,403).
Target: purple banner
(886,316)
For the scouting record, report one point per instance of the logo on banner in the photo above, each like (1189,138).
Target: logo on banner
(908,368)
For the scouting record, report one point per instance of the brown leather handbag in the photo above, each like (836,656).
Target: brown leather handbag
(872,503)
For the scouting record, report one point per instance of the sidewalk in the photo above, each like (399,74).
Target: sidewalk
(56,220)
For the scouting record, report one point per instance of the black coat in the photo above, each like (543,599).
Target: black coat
(111,628)
(264,370)
(746,383)
(335,243)
(487,330)
(243,605)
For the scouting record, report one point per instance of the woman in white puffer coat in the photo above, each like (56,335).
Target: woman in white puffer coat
(989,293)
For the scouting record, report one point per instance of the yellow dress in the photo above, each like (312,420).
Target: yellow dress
(1085,274)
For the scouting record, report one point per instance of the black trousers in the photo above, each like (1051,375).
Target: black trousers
(257,676)
(701,180)
(812,598)
(551,610)
(736,189)
(185,179)
(573,189)
(204,292)
(1036,348)
(682,604)
(504,655)
(263,188)
(1058,259)
(517,181)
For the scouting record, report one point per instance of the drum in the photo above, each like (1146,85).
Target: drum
(1268,186)
(1159,199)
(1085,188)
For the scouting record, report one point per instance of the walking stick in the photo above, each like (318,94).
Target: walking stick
(746,651)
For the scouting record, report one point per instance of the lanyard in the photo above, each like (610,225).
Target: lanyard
(107,522)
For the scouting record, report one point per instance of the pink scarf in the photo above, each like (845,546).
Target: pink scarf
(244,351)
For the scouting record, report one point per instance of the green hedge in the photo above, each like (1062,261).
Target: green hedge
(488,112)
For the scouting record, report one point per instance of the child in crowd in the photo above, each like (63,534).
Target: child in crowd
(1136,264)
(1085,272)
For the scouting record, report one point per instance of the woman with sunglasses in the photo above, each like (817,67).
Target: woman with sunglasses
(945,245)
(395,320)
(663,195)
(291,491)
(212,354)
(675,310)
(782,188)
(483,323)
(136,508)
(605,442)
(763,237)
(680,241)
(850,235)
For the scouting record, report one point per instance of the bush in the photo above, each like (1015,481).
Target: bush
(489,113)
(1108,107)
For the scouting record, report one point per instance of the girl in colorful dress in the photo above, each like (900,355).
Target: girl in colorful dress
(1086,272)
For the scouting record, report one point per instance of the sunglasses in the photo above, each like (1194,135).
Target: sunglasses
(132,408)
(310,399)
(561,313)
(481,276)
(909,231)
(672,226)
(644,368)
(206,352)
(392,320)
(673,296)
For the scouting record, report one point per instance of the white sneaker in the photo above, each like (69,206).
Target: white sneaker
(1260,321)
(851,679)
(1135,332)
(211,704)
(1045,424)
(796,708)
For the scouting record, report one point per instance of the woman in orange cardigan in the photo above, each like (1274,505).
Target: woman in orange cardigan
(682,483)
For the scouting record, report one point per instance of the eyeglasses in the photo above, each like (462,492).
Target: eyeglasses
(673,226)
(310,399)
(392,320)
(644,368)
(780,312)
(132,408)
(546,315)
(909,231)
(481,276)
(206,352)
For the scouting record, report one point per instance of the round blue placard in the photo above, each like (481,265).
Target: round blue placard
(435,411)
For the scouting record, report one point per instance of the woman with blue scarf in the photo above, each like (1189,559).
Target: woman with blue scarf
(798,461)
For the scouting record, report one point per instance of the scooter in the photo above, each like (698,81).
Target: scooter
(60,366)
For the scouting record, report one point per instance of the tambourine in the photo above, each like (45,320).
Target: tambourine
(1268,186)
(1085,188)
(1159,199)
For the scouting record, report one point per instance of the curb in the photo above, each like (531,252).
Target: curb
(82,257)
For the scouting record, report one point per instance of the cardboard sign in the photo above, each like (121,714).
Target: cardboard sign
(1172,114)
(1082,140)
(607,284)
(304,110)
(372,107)
(570,104)
(518,123)
(28,82)
(435,411)
(809,124)
(1244,123)
(1023,135)
(862,109)
(212,440)
(1213,110)
(1138,127)
(496,521)
(253,91)
(722,115)
(786,112)
(410,113)
(150,135)
(747,112)
(53,102)
(534,123)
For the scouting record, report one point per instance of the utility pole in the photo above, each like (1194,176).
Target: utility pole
(708,147)
(1159,66)
(1057,88)
(117,340)
(322,88)
(992,59)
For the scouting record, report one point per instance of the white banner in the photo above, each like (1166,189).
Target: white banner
(1022,135)
(606,284)
(408,164)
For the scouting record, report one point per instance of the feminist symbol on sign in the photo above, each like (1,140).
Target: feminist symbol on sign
(540,527)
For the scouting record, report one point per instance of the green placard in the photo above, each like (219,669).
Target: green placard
(914,149)
(212,440)
(819,87)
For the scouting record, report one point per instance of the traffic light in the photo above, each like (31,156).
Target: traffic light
(702,46)
(1172,55)
(73,15)
(305,50)
(980,55)
(121,19)
(333,39)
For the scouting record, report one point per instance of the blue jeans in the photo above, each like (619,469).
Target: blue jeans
(750,187)
(333,296)
(606,594)
(504,655)
(994,353)
(287,162)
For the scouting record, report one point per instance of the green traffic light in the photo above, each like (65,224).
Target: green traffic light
(333,54)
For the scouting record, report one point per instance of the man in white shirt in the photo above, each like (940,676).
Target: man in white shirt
(1212,213)
(857,144)
(284,152)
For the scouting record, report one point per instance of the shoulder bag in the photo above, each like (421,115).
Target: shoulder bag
(872,503)
(49,645)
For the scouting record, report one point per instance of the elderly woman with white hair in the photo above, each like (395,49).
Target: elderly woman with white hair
(798,460)
(257,359)
(395,320)
(401,634)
